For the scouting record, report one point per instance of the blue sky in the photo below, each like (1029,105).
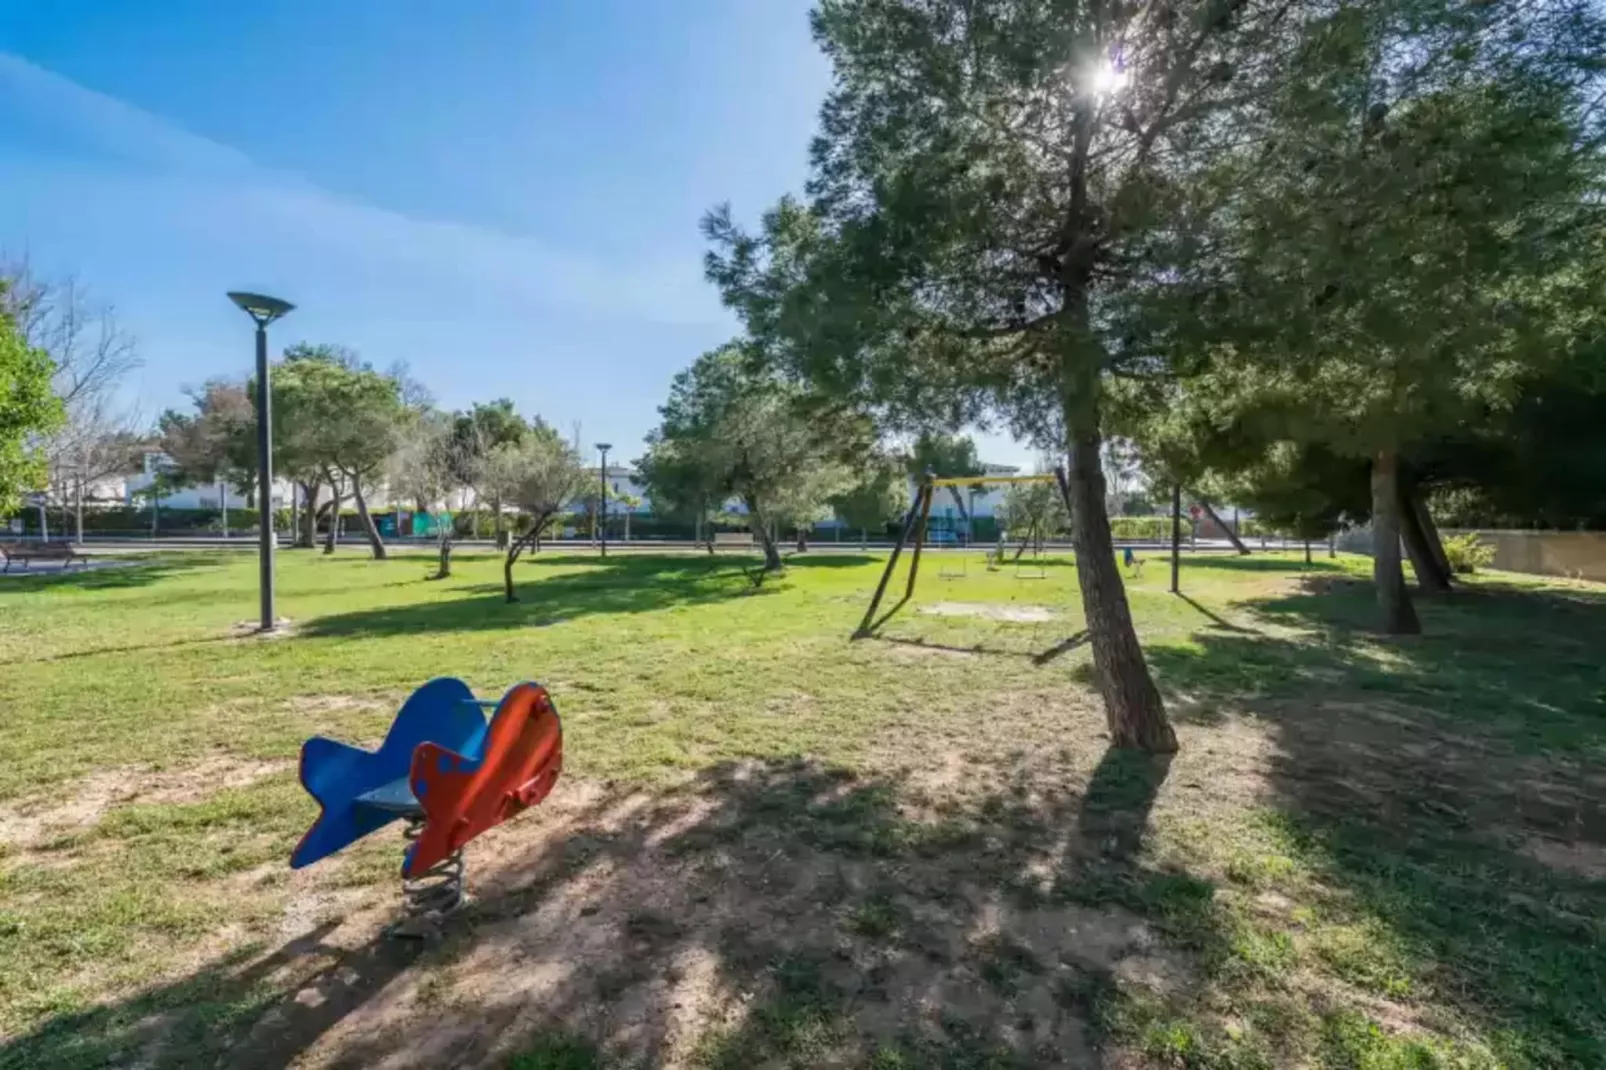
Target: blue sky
(504,194)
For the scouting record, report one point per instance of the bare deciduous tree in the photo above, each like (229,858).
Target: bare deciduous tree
(93,355)
(429,468)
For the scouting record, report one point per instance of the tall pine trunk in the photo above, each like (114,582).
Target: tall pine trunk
(1431,534)
(959,500)
(444,569)
(1132,704)
(761,526)
(1393,600)
(772,553)
(308,536)
(1422,542)
(369,528)
(334,518)
(1232,536)
(1429,576)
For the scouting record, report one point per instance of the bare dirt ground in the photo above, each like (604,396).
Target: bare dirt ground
(762,908)
(79,805)
(1017,614)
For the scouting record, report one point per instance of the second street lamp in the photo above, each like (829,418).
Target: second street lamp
(602,503)
(263,311)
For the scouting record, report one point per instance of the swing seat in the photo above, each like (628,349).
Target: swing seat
(1032,571)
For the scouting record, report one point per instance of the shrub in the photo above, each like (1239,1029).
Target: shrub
(1145,527)
(1467,553)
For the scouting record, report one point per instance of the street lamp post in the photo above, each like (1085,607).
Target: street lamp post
(263,311)
(602,506)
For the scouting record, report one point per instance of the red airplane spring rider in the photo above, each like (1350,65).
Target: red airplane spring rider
(442,768)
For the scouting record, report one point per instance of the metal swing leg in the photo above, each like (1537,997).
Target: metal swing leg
(922,499)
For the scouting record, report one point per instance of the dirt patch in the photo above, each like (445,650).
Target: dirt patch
(285,628)
(195,782)
(338,703)
(730,913)
(991,611)
(915,650)
(38,820)
(80,804)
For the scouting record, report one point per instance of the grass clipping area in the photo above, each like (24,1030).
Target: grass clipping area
(776,847)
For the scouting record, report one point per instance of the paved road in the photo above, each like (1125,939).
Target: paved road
(103,544)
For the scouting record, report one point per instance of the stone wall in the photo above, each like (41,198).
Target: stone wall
(1577,554)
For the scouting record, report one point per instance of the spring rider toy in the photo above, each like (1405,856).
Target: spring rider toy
(447,772)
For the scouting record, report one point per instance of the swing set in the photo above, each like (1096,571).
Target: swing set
(915,525)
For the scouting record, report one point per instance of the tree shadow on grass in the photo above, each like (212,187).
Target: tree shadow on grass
(1446,787)
(1038,657)
(1222,562)
(778,914)
(645,563)
(133,574)
(830,560)
(135,648)
(1215,618)
(618,584)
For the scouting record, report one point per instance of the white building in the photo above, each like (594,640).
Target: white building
(210,496)
(623,482)
(978,502)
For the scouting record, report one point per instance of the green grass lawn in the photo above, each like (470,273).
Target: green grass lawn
(776,847)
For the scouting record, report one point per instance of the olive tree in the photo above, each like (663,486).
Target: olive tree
(429,468)
(742,432)
(540,474)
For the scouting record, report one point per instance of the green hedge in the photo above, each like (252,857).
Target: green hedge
(1156,528)
(130,520)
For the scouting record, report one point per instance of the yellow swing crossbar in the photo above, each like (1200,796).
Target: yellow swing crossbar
(972,481)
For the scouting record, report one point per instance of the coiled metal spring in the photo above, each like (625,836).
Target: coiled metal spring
(433,893)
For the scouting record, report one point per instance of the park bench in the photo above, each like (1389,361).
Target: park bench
(733,539)
(28,552)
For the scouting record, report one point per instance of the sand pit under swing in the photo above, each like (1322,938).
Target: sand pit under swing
(991,611)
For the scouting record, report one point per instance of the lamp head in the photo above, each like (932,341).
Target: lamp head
(605,446)
(261,308)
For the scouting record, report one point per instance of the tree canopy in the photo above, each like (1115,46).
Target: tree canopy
(880,496)
(945,456)
(735,429)
(1421,234)
(98,435)
(992,184)
(340,419)
(1032,511)
(541,474)
(28,409)
(216,441)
